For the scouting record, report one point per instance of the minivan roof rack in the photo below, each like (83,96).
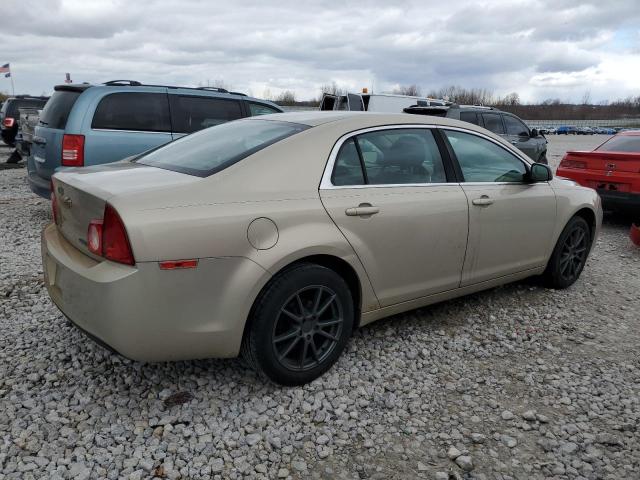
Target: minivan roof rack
(135,83)
(132,83)
(485,107)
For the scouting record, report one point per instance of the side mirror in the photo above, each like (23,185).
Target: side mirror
(540,173)
(534,132)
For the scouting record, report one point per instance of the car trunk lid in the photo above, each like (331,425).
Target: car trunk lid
(82,193)
(605,161)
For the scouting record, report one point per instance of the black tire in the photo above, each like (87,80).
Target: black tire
(569,255)
(298,346)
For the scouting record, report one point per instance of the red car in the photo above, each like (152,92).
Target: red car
(613,169)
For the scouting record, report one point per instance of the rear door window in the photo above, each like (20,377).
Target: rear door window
(56,111)
(190,114)
(493,122)
(143,112)
(471,117)
(256,109)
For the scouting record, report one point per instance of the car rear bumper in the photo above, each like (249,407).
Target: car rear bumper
(621,189)
(149,314)
(38,185)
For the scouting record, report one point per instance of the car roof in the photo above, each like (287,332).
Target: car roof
(356,120)
(632,133)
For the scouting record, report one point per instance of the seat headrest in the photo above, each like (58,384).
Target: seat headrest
(405,152)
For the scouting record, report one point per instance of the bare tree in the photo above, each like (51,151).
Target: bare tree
(287,97)
(332,89)
(216,83)
(410,90)
(586,97)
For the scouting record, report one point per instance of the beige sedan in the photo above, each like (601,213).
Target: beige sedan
(276,236)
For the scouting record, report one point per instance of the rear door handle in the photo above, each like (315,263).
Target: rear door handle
(39,140)
(362,210)
(483,201)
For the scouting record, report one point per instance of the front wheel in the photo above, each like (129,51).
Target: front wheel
(300,325)
(569,255)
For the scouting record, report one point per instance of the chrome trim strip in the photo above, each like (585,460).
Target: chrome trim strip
(325,183)
(127,131)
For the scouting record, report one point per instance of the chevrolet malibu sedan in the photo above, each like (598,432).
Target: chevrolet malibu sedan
(275,237)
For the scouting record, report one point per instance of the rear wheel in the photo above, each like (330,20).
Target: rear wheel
(300,325)
(569,255)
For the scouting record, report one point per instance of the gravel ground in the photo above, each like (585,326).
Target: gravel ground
(518,382)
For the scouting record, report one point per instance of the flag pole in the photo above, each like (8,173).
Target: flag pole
(13,90)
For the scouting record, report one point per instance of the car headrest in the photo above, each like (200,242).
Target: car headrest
(405,153)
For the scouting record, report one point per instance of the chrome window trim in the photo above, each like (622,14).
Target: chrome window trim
(127,131)
(325,183)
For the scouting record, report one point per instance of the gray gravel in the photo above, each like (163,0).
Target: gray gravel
(518,382)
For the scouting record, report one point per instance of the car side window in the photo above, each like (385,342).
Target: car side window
(190,113)
(400,156)
(348,169)
(261,109)
(470,117)
(148,112)
(515,126)
(482,160)
(493,122)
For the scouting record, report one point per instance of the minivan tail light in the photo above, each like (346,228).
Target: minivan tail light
(73,150)
(115,242)
(9,122)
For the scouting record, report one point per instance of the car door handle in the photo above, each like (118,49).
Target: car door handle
(483,201)
(362,210)
(38,140)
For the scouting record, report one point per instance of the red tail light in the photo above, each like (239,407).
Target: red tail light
(54,204)
(9,122)
(73,150)
(108,238)
(115,242)
(572,164)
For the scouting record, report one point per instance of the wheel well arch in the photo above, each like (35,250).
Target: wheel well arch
(338,265)
(590,217)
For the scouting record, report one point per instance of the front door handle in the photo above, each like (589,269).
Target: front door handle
(362,210)
(483,201)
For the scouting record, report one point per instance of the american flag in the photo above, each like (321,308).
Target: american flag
(6,70)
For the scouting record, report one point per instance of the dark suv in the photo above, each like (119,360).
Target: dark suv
(9,115)
(505,124)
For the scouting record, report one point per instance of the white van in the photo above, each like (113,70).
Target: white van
(379,102)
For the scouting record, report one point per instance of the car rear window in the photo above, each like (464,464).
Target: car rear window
(621,143)
(190,114)
(211,150)
(140,112)
(470,117)
(56,111)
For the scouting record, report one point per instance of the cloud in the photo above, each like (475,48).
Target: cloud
(542,48)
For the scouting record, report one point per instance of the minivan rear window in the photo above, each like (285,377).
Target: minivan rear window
(140,112)
(56,111)
(208,151)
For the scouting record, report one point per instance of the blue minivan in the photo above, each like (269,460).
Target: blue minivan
(84,124)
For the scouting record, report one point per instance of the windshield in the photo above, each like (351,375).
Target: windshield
(622,143)
(213,149)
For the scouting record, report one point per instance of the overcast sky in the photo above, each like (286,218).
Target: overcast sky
(538,48)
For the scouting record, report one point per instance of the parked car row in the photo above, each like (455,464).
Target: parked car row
(573,130)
